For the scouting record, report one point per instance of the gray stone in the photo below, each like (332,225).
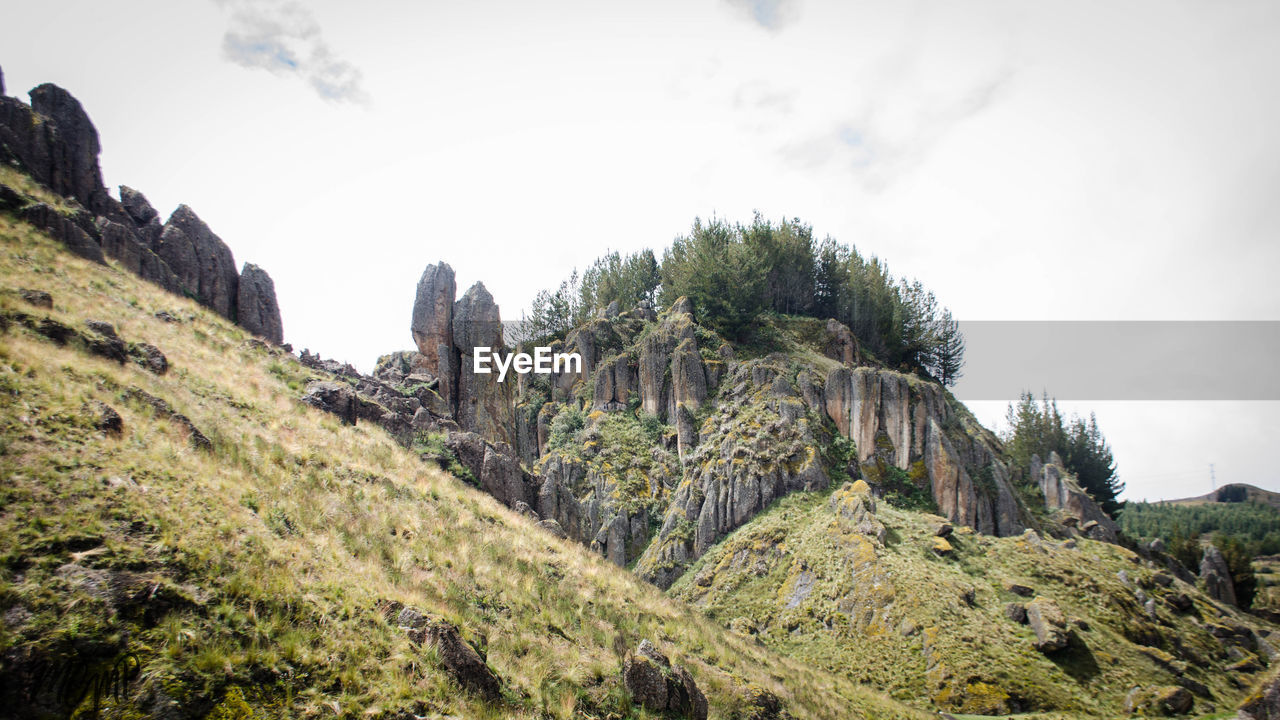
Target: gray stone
(1217,576)
(256,307)
(201,260)
(1048,623)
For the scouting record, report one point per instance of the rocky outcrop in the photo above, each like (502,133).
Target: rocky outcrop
(615,381)
(841,345)
(1070,502)
(80,177)
(65,230)
(656,374)
(146,219)
(432,326)
(121,243)
(586,504)
(201,260)
(256,308)
(856,506)
(900,421)
(658,685)
(484,405)
(55,142)
(1217,576)
(456,656)
(756,448)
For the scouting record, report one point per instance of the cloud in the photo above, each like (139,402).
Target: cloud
(772,15)
(885,140)
(284,38)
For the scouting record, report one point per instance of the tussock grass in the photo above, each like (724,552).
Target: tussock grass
(266,562)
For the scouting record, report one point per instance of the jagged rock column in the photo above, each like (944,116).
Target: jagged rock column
(484,405)
(432,328)
(256,305)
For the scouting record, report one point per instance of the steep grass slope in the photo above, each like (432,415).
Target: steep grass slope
(258,575)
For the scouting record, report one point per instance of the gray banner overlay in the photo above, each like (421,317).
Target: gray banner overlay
(1123,360)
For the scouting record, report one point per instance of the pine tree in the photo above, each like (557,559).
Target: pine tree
(948,351)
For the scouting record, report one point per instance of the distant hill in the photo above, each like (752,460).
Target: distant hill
(1233,493)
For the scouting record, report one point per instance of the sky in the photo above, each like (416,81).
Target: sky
(1072,160)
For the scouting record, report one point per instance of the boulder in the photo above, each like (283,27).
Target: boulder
(256,307)
(333,397)
(1217,576)
(1164,700)
(1016,612)
(1048,623)
(38,298)
(106,419)
(660,686)
(149,357)
(11,199)
(201,260)
(458,658)
(841,344)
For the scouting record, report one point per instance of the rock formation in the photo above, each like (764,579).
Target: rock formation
(660,686)
(757,447)
(256,307)
(1063,495)
(1217,576)
(54,141)
(484,405)
(202,262)
(432,326)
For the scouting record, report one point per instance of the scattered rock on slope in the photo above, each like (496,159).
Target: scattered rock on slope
(1048,623)
(658,685)
(1162,700)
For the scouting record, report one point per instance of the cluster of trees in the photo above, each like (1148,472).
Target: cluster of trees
(613,277)
(734,272)
(1038,428)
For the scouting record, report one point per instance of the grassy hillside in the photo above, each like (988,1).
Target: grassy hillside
(928,618)
(258,576)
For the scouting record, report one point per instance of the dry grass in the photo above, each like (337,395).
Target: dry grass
(270,555)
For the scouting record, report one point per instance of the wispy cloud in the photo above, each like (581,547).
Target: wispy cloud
(284,38)
(884,141)
(772,15)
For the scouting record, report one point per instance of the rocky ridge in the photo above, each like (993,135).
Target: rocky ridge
(665,440)
(56,144)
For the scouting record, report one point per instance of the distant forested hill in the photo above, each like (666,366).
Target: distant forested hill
(1239,511)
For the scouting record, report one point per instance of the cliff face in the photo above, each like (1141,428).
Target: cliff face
(56,144)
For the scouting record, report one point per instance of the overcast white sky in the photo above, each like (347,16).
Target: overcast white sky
(1048,160)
